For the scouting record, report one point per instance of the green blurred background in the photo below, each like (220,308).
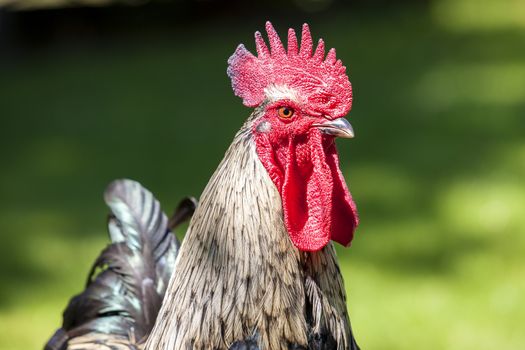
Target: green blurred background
(139,90)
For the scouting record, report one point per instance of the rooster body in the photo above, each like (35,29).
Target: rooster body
(238,271)
(256,269)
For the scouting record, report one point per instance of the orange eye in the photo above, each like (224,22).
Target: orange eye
(285,112)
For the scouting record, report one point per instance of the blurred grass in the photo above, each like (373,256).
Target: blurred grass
(437,168)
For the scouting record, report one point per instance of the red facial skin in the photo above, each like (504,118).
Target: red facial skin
(303,164)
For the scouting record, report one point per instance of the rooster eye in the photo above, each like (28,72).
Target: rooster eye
(285,112)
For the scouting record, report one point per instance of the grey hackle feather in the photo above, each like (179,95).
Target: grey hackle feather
(239,283)
(127,282)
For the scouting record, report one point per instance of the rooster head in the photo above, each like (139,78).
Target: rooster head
(300,97)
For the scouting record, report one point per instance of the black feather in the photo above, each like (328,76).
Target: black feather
(183,212)
(248,344)
(58,341)
(127,282)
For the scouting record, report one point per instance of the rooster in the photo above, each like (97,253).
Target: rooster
(257,268)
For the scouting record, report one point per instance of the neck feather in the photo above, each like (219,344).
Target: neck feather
(238,274)
(237,270)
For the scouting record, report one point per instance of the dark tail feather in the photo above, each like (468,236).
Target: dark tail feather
(58,341)
(183,212)
(127,282)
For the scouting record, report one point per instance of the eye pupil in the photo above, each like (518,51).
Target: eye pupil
(285,112)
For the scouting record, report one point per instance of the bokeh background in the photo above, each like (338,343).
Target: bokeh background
(92,90)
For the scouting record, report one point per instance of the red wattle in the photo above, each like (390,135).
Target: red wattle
(316,203)
(344,211)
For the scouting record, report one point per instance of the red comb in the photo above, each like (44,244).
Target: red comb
(321,82)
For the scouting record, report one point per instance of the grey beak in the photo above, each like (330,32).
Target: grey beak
(339,127)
